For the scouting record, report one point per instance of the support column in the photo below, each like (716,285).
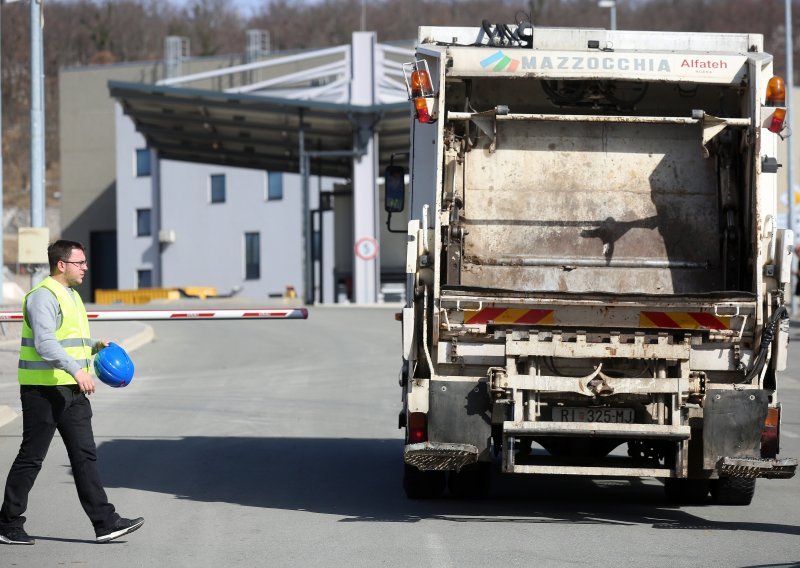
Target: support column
(366,259)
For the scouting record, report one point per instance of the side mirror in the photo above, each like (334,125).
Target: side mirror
(394,189)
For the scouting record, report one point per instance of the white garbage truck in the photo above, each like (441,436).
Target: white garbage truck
(597,281)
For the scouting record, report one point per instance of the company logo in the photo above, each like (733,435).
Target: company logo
(499,61)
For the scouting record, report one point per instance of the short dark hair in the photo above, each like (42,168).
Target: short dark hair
(61,250)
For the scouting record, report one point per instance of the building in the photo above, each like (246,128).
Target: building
(154,221)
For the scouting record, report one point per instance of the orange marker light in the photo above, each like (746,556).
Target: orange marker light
(421,84)
(776,97)
(776,92)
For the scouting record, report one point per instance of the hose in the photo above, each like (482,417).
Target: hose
(766,338)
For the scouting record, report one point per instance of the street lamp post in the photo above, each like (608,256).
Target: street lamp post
(612,6)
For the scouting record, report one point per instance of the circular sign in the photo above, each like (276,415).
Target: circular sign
(366,248)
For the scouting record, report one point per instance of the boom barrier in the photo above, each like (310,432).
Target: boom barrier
(181,315)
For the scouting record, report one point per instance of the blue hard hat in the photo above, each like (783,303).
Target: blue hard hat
(113,366)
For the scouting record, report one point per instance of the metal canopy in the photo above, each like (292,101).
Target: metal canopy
(255,131)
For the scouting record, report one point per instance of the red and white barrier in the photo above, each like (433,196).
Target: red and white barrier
(182,315)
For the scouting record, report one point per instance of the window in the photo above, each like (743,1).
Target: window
(217,188)
(274,186)
(142,162)
(144,278)
(252,256)
(143,225)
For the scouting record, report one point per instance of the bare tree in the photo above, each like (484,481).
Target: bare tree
(83,32)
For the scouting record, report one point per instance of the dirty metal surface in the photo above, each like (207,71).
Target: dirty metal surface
(587,197)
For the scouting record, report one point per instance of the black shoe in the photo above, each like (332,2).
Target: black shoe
(15,535)
(119,528)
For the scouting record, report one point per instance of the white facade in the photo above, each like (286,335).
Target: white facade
(202,242)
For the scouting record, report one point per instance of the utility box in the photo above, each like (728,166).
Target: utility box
(33,243)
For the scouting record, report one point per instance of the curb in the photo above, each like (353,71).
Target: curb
(6,415)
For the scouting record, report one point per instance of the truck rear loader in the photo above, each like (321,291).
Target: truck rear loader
(597,282)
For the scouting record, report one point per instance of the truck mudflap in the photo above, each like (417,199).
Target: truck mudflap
(439,456)
(751,468)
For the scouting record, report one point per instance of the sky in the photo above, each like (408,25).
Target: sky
(245,6)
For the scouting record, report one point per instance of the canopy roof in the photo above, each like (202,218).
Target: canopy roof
(259,123)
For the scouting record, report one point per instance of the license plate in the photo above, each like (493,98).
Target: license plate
(584,414)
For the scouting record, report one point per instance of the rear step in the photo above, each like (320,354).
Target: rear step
(439,456)
(751,468)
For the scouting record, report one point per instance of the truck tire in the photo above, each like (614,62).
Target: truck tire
(423,484)
(733,491)
(686,491)
(472,482)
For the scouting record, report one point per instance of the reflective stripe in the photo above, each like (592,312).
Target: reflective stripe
(45,366)
(70,342)
(76,342)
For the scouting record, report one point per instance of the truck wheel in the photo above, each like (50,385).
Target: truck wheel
(686,491)
(733,491)
(423,484)
(472,482)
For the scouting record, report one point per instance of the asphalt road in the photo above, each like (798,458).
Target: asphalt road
(270,443)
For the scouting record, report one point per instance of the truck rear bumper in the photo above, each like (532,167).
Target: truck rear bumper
(597,430)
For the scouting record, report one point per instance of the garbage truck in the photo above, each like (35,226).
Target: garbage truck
(597,275)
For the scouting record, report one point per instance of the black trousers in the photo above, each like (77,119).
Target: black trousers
(45,410)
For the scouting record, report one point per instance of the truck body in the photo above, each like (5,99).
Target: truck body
(596,280)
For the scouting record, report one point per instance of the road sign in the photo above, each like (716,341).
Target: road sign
(366,248)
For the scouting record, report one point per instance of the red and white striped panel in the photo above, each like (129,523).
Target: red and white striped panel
(508,316)
(684,320)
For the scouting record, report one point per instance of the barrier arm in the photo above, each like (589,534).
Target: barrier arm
(181,315)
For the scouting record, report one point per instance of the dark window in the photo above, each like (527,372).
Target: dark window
(142,162)
(274,186)
(252,256)
(218,188)
(143,226)
(144,278)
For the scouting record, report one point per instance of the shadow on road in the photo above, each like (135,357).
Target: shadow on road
(361,480)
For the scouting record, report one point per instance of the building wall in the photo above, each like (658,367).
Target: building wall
(208,247)
(133,252)
(86,136)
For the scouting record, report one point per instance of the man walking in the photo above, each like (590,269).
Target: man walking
(55,355)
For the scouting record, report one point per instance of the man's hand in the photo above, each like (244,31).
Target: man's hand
(85,382)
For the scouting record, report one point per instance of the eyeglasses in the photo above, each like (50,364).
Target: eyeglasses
(79,263)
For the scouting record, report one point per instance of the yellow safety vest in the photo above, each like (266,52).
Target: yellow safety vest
(73,335)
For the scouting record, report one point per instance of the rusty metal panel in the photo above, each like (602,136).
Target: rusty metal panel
(623,208)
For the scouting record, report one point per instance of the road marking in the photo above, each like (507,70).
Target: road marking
(436,552)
